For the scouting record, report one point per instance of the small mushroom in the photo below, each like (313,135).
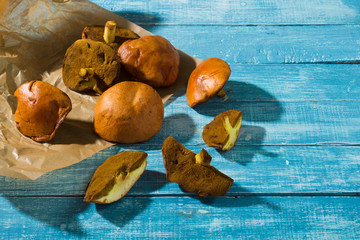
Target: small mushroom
(151,59)
(192,171)
(207,80)
(41,108)
(128,112)
(223,131)
(114,178)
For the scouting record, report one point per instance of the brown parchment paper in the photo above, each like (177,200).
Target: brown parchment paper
(34,36)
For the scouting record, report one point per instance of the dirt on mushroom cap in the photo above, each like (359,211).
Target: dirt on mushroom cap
(109,174)
(181,167)
(86,53)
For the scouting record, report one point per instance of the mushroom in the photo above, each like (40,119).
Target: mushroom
(128,112)
(41,108)
(207,80)
(223,131)
(110,34)
(114,178)
(192,171)
(151,59)
(90,66)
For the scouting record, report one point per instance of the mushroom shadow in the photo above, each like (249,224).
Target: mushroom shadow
(248,144)
(242,198)
(56,212)
(187,65)
(61,212)
(123,211)
(180,126)
(145,20)
(256,104)
(150,181)
(61,209)
(75,132)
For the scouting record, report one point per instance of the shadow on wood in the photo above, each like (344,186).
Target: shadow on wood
(250,141)
(257,104)
(247,199)
(75,132)
(122,212)
(57,212)
(173,125)
(150,182)
(187,65)
(141,18)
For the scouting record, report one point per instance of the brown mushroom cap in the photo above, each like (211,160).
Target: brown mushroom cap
(215,133)
(109,173)
(41,108)
(151,59)
(207,79)
(128,112)
(200,178)
(86,53)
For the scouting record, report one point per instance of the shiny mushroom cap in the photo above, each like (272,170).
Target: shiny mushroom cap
(151,59)
(41,108)
(208,78)
(128,112)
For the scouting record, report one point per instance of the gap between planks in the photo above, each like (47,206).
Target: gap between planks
(245,24)
(264,145)
(317,194)
(350,62)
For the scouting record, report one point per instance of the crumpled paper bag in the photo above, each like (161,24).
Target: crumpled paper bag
(34,36)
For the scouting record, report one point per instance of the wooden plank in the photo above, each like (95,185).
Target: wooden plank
(254,12)
(182,218)
(294,82)
(267,44)
(269,123)
(255,170)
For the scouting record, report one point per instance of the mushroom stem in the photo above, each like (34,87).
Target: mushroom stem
(221,93)
(89,80)
(203,158)
(109,31)
(233,132)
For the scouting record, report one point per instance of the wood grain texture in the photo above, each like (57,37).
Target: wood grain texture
(182,218)
(269,123)
(296,163)
(234,12)
(267,44)
(292,82)
(256,170)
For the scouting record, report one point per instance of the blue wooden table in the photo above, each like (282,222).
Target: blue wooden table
(296,164)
